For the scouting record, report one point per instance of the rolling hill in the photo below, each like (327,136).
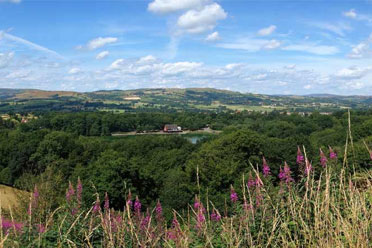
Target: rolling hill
(161,99)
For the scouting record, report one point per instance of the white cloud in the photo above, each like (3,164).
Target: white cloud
(74,70)
(146,60)
(312,48)
(170,6)
(102,55)
(199,21)
(100,42)
(29,44)
(215,36)
(354,85)
(117,64)
(337,28)
(266,31)
(21,74)
(272,44)
(353,73)
(179,67)
(149,65)
(290,67)
(362,50)
(251,45)
(233,66)
(5,59)
(356,16)
(351,13)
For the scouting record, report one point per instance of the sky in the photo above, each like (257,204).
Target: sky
(258,46)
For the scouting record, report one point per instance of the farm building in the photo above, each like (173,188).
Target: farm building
(171,128)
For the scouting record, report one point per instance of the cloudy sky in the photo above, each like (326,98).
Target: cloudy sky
(259,46)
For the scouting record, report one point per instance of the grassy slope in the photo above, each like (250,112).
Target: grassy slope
(193,98)
(11,197)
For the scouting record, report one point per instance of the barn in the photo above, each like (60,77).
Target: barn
(172,128)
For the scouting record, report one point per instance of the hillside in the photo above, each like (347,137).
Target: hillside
(192,99)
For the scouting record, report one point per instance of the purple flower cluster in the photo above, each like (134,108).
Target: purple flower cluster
(300,156)
(265,168)
(129,200)
(332,154)
(7,225)
(137,205)
(145,222)
(285,174)
(97,206)
(257,182)
(70,192)
(40,228)
(215,216)
(106,206)
(233,195)
(323,159)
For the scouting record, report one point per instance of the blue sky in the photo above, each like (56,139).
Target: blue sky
(262,46)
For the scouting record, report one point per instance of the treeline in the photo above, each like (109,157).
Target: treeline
(59,147)
(103,124)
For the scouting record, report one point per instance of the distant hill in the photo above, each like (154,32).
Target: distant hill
(172,99)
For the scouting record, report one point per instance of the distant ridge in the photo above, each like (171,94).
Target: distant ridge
(174,99)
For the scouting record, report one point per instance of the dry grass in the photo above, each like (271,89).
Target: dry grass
(40,94)
(11,197)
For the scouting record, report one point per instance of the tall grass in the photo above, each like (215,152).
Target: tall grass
(332,209)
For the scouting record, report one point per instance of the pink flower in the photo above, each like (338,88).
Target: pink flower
(258,182)
(74,211)
(233,195)
(300,157)
(137,205)
(251,183)
(107,202)
(36,194)
(145,222)
(7,225)
(285,174)
(265,168)
(97,206)
(129,200)
(40,228)
(159,211)
(332,154)
(196,203)
(215,216)
(200,219)
(70,192)
(323,159)
(246,206)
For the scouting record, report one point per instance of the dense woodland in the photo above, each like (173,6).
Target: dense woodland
(57,148)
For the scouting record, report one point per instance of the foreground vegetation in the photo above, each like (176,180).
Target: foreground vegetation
(243,187)
(328,206)
(60,147)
